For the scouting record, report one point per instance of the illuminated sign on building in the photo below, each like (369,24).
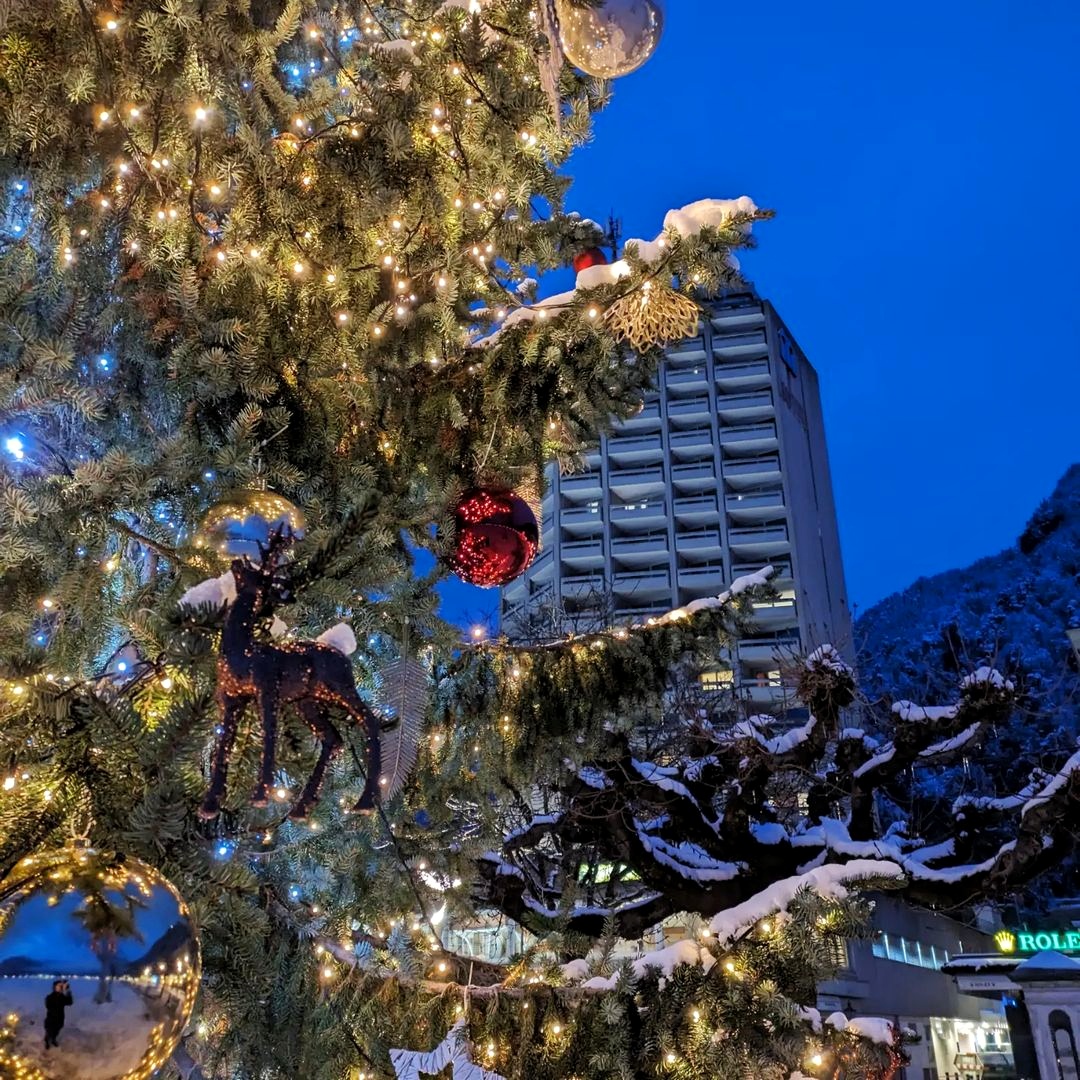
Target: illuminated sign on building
(1023,941)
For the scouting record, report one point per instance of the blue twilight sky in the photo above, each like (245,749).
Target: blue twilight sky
(923,159)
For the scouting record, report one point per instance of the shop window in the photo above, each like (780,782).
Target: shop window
(907,951)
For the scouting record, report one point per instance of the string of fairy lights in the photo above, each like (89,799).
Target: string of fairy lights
(175,195)
(205,201)
(419,928)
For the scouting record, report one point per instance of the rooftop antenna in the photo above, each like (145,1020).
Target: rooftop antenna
(613,236)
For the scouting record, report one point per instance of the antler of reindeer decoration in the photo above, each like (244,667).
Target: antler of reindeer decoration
(315,678)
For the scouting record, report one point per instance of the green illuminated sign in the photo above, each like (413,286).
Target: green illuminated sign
(1009,941)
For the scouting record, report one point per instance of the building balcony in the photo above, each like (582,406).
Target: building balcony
(765,692)
(695,476)
(583,585)
(768,650)
(691,443)
(756,405)
(781,579)
(630,484)
(634,614)
(699,542)
(639,551)
(638,516)
(635,449)
(688,351)
(643,584)
(646,419)
(681,380)
(763,541)
(751,472)
(740,376)
(740,346)
(543,569)
(754,505)
(728,320)
(702,580)
(515,594)
(749,439)
(696,510)
(580,486)
(582,554)
(696,408)
(775,615)
(581,520)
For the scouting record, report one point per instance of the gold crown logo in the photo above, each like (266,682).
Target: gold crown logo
(1006,940)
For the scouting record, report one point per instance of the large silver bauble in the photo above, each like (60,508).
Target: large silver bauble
(611,39)
(237,524)
(115,935)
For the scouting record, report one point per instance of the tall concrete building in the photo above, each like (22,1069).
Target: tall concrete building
(723,471)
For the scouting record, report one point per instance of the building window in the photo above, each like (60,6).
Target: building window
(905,951)
(1061,1032)
(716,680)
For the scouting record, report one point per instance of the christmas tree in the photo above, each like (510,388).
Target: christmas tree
(268,331)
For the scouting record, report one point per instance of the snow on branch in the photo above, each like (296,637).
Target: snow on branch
(739,586)
(685,223)
(986,676)
(661,962)
(954,743)
(781,744)
(663,778)
(1002,805)
(874,1028)
(690,220)
(688,860)
(831,881)
(826,656)
(1056,784)
(917,714)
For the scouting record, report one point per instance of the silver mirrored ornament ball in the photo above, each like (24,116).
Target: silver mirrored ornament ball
(99,968)
(611,38)
(241,521)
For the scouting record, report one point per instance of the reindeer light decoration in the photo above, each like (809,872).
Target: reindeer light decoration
(313,678)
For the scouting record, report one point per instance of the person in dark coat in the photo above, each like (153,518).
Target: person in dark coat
(55,1004)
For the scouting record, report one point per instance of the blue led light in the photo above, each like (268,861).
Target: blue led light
(121,666)
(15,447)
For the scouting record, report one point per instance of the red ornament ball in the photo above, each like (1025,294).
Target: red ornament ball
(495,537)
(589,257)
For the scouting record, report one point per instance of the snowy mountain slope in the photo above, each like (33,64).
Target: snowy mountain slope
(1011,610)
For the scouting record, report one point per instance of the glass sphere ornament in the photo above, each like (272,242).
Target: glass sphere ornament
(236,525)
(590,257)
(99,968)
(610,38)
(495,537)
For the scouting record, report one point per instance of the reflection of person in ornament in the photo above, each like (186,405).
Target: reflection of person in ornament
(55,1004)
